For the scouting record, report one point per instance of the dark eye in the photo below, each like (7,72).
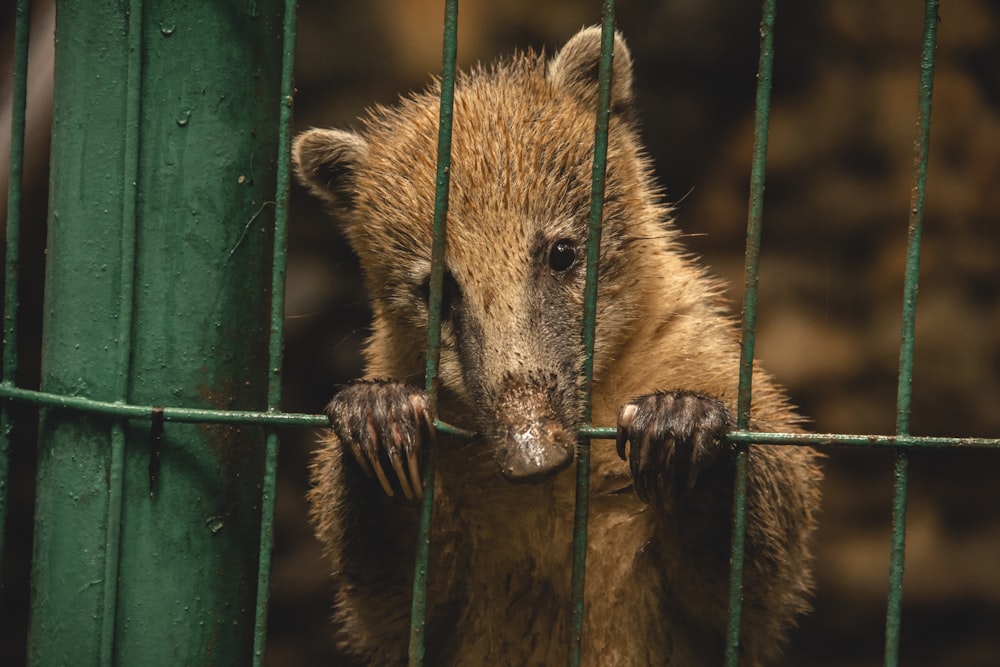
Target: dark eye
(451,294)
(562,255)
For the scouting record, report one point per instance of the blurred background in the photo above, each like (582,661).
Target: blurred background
(840,170)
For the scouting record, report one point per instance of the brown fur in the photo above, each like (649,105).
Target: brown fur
(657,572)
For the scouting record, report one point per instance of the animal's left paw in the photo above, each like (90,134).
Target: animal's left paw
(674,436)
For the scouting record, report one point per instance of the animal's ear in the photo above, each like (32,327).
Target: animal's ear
(574,69)
(327,161)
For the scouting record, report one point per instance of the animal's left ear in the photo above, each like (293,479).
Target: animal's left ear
(574,69)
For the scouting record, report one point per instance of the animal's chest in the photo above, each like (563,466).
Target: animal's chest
(517,602)
(519,618)
(515,579)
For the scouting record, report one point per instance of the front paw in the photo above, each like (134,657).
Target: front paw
(383,423)
(674,435)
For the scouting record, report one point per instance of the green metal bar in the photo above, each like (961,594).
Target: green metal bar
(444,427)
(276,333)
(830,439)
(157,166)
(418,612)
(754,224)
(303,420)
(921,146)
(19,94)
(170,414)
(582,503)
(874,441)
(896,559)
(125,317)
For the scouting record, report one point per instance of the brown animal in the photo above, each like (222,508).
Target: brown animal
(665,371)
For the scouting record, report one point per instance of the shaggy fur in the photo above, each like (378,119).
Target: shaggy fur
(665,370)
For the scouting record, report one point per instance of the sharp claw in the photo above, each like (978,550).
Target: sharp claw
(362,460)
(423,417)
(418,488)
(382,479)
(375,462)
(429,423)
(404,481)
(625,417)
(397,463)
(359,453)
(620,439)
(414,465)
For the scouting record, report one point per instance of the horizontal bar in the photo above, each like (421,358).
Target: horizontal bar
(448,429)
(205,416)
(186,415)
(839,439)
(830,439)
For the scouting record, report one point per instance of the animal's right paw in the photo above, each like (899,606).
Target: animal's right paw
(383,423)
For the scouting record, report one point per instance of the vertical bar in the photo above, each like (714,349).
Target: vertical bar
(418,612)
(125,321)
(163,164)
(896,559)
(22,14)
(921,147)
(752,271)
(581,510)
(276,334)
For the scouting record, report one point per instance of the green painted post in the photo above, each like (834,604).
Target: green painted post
(19,95)
(157,293)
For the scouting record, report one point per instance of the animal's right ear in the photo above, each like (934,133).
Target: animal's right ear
(327,161)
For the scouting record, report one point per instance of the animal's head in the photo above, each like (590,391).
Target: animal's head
(522,152)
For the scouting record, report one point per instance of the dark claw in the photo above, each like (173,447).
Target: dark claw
(671,434)
(418,402)
(625,418)
(397,461)
(383,423)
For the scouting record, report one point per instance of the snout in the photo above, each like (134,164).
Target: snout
(534,450)
(533,423)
